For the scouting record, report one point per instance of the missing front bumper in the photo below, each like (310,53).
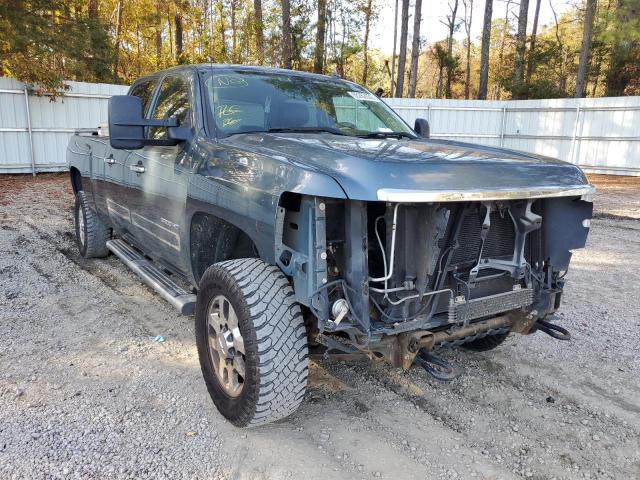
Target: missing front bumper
(463,311)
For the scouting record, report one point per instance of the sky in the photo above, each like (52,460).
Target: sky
(434,12)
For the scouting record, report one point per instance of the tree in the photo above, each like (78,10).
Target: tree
(402,56)
(368,13)
(222,30)
(119,14)
(42,42)
(581,80)
(45,42)
(393,57)
(177,19)
(318,65)
(439,53)
(415,49)
(532,43)
(451,61)
(158,34)
(624,38)
(521,46)
(286,34)
(258,26)
(468,19)
(484,60)
(563,52)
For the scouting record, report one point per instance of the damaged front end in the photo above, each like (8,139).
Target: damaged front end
(392,278)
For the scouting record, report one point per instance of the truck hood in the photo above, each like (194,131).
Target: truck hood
(420,169)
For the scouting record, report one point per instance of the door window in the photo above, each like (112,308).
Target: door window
(173,102)
(144,90)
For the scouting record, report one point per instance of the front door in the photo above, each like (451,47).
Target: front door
(157,179)
(111,194)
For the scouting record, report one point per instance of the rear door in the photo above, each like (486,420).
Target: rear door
(113,194)
(157,176)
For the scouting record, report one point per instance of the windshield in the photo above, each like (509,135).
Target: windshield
(244,101)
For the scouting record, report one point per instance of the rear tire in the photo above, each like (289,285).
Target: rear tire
(91,233)
(486,343)
(268,380)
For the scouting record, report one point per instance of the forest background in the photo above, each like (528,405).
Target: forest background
(588,48)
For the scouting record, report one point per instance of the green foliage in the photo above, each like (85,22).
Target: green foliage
(44,42)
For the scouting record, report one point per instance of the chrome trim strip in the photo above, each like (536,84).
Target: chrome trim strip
(118,210)
(138,220)
(420,196)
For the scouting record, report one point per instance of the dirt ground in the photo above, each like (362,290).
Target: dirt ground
(85,391)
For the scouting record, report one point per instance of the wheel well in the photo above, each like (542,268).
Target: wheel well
(76,180)
(214,240)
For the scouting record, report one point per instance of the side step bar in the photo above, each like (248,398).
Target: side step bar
(173,293)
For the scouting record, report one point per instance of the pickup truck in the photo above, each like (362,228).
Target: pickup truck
(290,211)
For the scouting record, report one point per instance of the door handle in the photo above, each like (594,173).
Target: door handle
(137,168)
(110,160)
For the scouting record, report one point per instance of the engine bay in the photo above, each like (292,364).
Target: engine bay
(367,270)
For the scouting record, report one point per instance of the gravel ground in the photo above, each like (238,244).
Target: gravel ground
(86,393)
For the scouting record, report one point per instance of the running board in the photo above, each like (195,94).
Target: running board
(173,293)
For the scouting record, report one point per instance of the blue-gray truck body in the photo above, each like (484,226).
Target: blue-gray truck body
(409,231)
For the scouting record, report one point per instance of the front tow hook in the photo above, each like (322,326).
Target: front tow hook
(553,330)
(435,366)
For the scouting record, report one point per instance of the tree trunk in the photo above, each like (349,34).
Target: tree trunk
(286,34)
(92,10)
(177,20)
(341,60)
(562,78)
(484,54)
(468,19)
(158,36)
(532,45)
(234,31)
(223,30)
(415,49)
(402,58)
(603,25)
(581,80)
(521,46)
(450,63)
(116,59)
(318,62)
(393,58)
(259,30)
(365,47)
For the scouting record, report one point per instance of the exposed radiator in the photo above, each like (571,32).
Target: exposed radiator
(500,240)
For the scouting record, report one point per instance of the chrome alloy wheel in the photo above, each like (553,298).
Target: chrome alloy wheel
(226,346)
(81,225)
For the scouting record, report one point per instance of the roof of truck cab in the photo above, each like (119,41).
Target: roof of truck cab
(208,67)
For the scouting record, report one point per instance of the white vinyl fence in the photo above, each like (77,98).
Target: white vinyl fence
(34,130)
(602,135)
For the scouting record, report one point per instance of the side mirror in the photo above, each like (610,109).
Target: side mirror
(126,124)
(422,128)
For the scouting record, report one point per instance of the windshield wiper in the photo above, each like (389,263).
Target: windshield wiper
(397,135)
(334,131)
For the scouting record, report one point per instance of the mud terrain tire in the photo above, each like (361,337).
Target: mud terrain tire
(91,233)
(273,336)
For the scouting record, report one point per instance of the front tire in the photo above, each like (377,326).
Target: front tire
(91,233)
(252,342)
